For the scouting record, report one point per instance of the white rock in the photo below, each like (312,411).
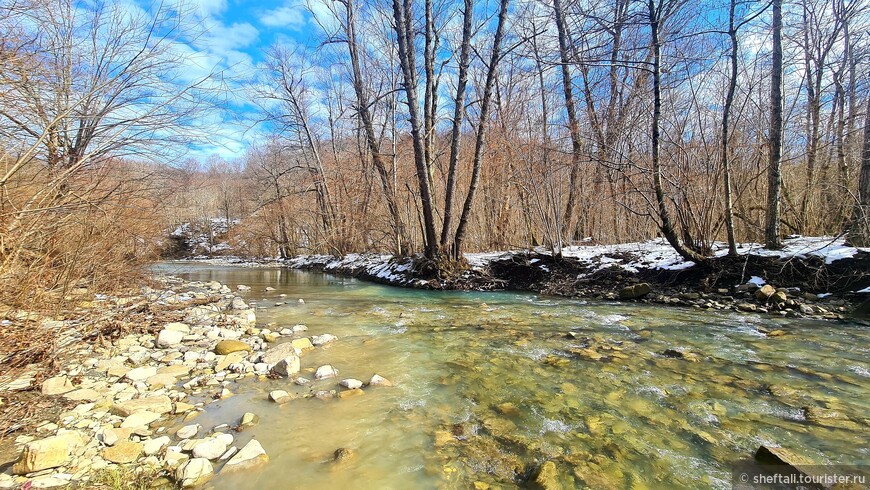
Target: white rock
(378,380)
(288,366)
(194,472)
(153,446)
(252,454)
(187,431)
(238,304)
(302,381)
(177,326)
(169,338)
(325,372)
(351,384)
(229,454)
(211,448)
(139,419)
(323,339)
(141,373)
(224,437)
(299,328)
(279,396)
(57,386)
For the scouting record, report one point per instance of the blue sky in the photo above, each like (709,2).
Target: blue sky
(238,33)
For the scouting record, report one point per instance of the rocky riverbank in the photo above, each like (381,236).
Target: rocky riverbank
(813,278)
(124,401)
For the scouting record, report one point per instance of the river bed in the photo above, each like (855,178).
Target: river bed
(489,386)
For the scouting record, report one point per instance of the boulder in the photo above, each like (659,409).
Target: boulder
(176,370)
(169,338)
(178,327)
(155,404)
(278,352)
(302,344)
(57,386)
(225,347)
(187,431)
(288,366)
(250,455)
(83,395)
(141,373)
(114,436)
(139,419)
(325,372)
(238,304)
(47,453)
(123,452)
(323,339)
(194,472)
(780,296)
(160,381)
(154,446)
(249,420)
(777,456)
(209,449)
(765,292)
(233,358)
(635,291)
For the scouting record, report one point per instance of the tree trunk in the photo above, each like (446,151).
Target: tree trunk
(458,117)
(573,126)
(666,225)
(726,149)
(859,232)
(405,38)
(774,176)
(481,128)
(366,120)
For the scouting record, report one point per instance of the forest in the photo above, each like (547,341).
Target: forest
(435,127)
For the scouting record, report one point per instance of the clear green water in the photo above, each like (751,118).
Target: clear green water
(488,387)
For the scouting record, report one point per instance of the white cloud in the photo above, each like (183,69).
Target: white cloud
(290,15)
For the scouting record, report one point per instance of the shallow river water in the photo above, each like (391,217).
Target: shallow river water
(489,386)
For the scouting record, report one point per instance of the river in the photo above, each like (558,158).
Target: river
(489,386)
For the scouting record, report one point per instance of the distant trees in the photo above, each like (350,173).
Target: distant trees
(594,121)
(86,89)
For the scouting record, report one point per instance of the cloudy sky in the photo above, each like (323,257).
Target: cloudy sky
(237,35)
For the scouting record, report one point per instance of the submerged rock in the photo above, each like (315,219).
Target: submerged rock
(378,380)
(548,477)
(342,454)
(351,384)
(249,420)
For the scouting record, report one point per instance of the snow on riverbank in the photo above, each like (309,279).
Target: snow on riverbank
(657,254)
(634,257)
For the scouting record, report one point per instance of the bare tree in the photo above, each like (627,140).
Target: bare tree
(774,176)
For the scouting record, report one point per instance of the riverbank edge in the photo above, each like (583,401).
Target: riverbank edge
(115,406)
(811,285)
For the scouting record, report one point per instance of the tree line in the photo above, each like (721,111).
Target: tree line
(446,126)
